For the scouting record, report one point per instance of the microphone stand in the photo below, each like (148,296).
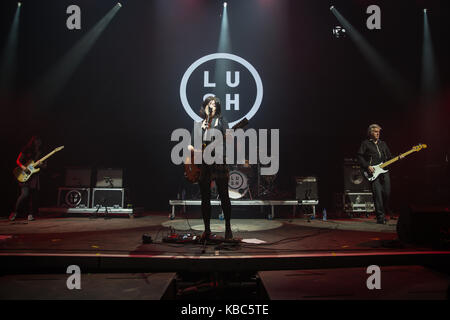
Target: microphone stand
(110,181)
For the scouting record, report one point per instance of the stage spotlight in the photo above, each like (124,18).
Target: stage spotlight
(332,7)
(19,4)
(224,4)
(339,32)
(119,4)
(425,10)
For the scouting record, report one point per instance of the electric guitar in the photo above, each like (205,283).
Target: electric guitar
(192,170)
(31,167)
(379,168)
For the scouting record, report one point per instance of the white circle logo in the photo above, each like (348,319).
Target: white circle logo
(229,56)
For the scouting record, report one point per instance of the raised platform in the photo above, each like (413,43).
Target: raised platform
(94,286)
(397,283)
(271,203)
(116,263)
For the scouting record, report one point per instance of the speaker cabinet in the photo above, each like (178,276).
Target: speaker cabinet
(74,197)
(425,225)
(354,180)
(306,188)
(108,197)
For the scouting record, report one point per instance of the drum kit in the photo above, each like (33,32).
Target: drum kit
(245,179)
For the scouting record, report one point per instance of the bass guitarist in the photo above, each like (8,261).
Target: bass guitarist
(374,151)
(29,190)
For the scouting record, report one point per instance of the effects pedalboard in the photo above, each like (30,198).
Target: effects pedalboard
(192,238)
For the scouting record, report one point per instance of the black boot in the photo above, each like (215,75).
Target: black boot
(228,233)
(381,220)
(207,233)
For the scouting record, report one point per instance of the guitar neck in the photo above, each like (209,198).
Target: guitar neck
(47,156)
(385,164)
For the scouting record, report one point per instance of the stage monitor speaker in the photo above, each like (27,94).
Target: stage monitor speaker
(73,197)
(108,197)
(425,225)
(354,180)
(78,177)
(306,188)
(109,178)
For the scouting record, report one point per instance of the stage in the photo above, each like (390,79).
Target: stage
(105,247)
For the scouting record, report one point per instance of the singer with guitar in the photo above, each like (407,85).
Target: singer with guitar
(29,190)
(374,151)
(211,113)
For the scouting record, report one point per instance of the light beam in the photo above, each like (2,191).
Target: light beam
(54,81)
(224,46)
(429,69)
(384,72)
(9,56)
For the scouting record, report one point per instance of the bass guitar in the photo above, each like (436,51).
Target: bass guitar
(380,168)
(192,170)
(32,167)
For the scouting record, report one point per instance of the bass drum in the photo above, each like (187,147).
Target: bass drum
(237,184)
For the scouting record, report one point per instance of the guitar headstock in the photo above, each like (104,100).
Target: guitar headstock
(240,124)
(59,148)
(419,147)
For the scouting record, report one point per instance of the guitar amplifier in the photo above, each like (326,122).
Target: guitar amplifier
(74,197)
(358,202)
(354,180)
(108,197)
(306,188)
(109,178)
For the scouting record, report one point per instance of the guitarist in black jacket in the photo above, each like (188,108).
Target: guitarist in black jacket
(29,190)
(373,151)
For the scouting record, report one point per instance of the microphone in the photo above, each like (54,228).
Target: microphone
(209,109)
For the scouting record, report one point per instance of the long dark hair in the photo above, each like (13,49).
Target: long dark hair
(30,146)
(206,102)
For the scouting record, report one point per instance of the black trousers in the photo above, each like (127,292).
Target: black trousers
(381,190)
(222,189)
(27,200)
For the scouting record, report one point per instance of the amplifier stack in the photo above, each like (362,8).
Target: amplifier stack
(357,195)
(79,192)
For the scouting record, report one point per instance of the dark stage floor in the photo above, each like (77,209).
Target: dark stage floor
(123,236)
(115,245)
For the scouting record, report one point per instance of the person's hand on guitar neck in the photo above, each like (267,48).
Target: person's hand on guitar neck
(42,164)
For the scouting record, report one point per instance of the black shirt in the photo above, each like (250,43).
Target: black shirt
(217,122)
(28,154)
(371,153)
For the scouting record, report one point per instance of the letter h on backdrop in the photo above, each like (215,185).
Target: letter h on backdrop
(229,101)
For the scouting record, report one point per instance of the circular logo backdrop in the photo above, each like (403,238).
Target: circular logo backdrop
(215,56)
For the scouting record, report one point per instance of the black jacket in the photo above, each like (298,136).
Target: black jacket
(370,154)
(218,122)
